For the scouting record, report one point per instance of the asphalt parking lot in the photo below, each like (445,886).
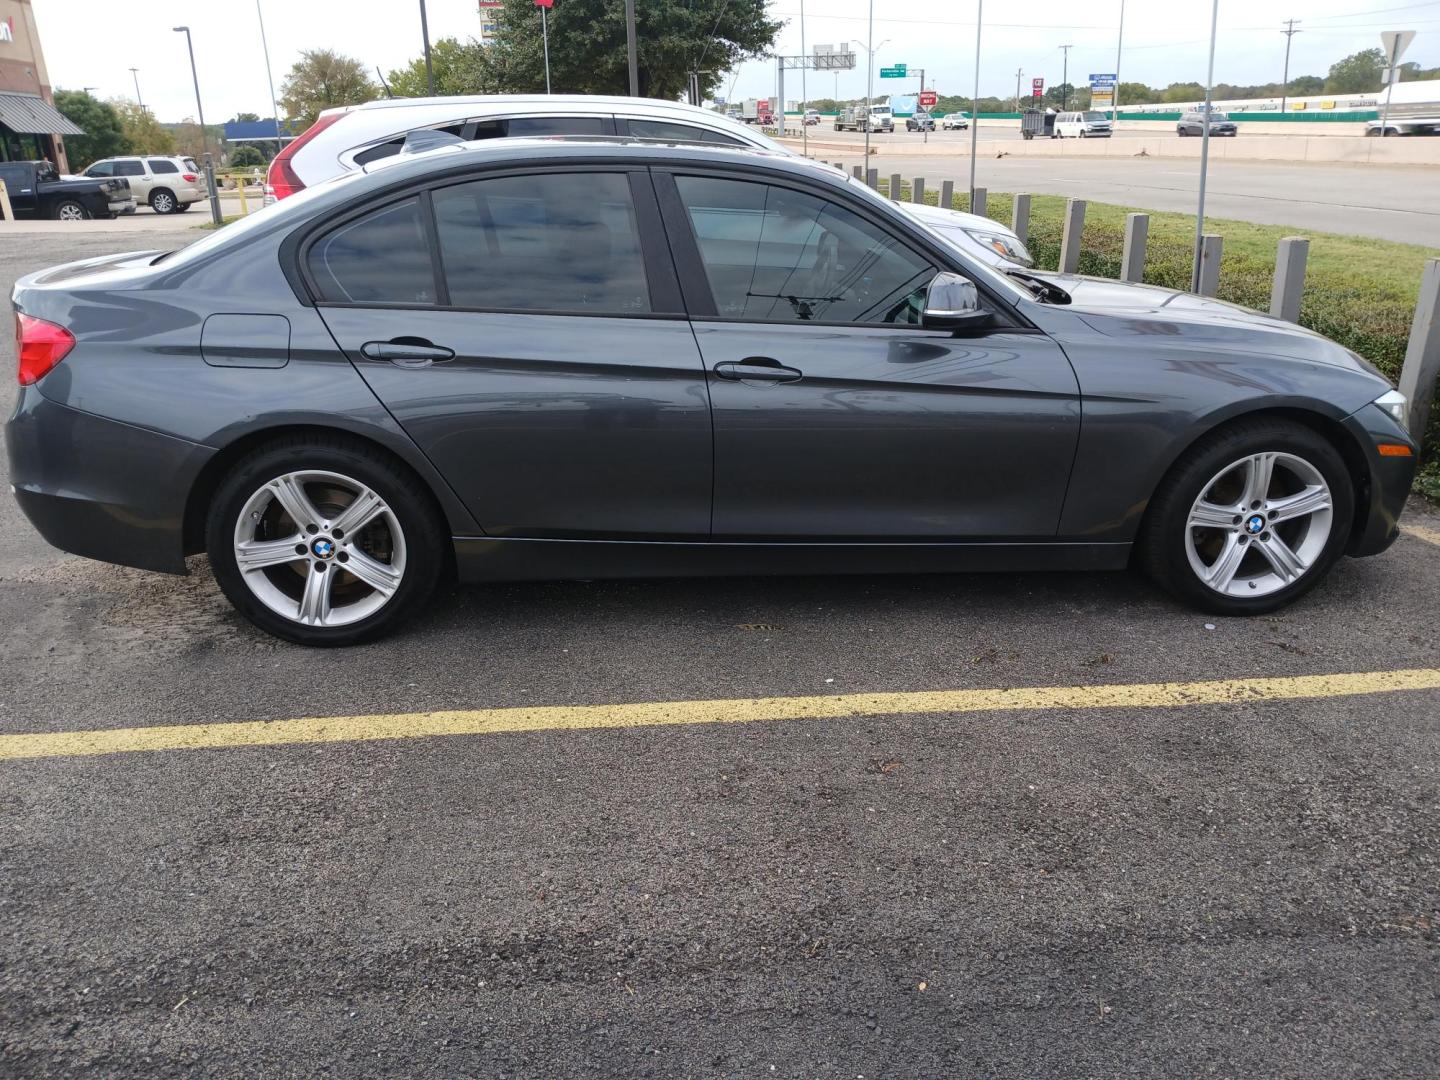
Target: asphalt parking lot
(764,868)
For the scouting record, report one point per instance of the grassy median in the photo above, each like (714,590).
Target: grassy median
(1358,291)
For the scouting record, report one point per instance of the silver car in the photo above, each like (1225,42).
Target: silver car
(168,185)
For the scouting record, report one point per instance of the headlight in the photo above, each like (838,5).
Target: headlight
(1394,403)
(1003,244)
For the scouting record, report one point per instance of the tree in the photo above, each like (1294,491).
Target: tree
(245,156)
(1059,94)
(1357,73)
(103,136)
(1306,86)
(1182,92)
(587,46)
(1134,93)
(459,69)
(246,118)
(322,79)
(143,134)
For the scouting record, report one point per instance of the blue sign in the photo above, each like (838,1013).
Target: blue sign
(1102,78)
(718,100)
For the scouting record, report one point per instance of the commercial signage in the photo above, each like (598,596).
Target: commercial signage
(1102,97)
(928,98)
(1037,88)
(899,71)
(1102,80)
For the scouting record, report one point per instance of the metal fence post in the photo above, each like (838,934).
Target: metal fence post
(859,173)
(872,179)
(978,200)
(1132,254)
(1209,277)
(947,194)
(917,190)
(1422,356)
(1289,278)
(1020,219)
(895,186)
(1070,239)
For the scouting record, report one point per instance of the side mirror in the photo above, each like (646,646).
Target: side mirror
(953,303)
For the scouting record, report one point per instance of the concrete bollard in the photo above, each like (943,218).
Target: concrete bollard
(917,190)
(1132,255)
(1207,277)
(978,200)
(895,186)
(872,178)
(1289,283)
(1422,356)
(1070,239)
(1020,218)
(857,172)
(947,194)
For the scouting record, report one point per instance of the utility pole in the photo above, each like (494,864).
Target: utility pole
(136,72)
(975,100)
(1205,150)
(1289,33)
(1115,94)
(270,79)
(425,40)
(630,48)
(1065,79)
(1018,73)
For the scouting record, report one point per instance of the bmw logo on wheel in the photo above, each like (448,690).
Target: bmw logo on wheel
(323,548)
(1255,525)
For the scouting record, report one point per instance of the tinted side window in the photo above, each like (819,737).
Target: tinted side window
(521,127)
(553,242)
(160,165)
(103,168)
(15,176)
(129,168)
(380,258)
(775,253)
(664,129)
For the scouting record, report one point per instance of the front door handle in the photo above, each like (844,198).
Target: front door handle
(757,369)
(407,352)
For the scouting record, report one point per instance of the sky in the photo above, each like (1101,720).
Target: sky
(1161,45)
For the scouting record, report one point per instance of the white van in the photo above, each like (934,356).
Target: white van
(1082,125)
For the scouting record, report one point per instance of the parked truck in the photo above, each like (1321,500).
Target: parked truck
(36,189)
(861,118)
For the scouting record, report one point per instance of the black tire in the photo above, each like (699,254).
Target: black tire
(70,210)
(426,538)
(181,207)
(1162,540)
(163,201)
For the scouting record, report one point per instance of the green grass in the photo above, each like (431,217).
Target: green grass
(1358,291)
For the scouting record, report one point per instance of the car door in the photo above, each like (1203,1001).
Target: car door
(134,170)
(527,331)
(20,186)
(837,416)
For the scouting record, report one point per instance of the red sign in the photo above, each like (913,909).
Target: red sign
(545,3)
(928,98)
(1038,87)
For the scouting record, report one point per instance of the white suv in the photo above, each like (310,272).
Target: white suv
(167,184)
(353,136)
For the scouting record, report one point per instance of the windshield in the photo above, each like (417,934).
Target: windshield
(880,109)
(1091,116)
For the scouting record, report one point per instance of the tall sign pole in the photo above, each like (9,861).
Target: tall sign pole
(1119,48)
(804,91)
(544,6)
(630,48)
(1205,152)
(274,109)
(870,85)
(975,100)
(1395,42)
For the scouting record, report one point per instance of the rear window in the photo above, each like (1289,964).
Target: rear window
(190,165)
(160,165)
(381,258)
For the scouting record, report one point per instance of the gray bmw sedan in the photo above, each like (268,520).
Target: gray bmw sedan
(543,359)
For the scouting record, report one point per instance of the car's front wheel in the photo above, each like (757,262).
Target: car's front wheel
(323,541)
(1250,518)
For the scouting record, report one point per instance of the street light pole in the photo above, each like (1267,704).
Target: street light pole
(204,142)
(632,49)
(1115,93)
(269,78)
(975,99)
(136,72)
(1065,79)
(425,40)
(870,88)
(1205,152)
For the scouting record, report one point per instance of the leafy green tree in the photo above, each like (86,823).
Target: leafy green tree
(1180,92)
(587,45)
(1306,85)
(1357,73)
(459,68)
(1059,94)
(103,136)
(143,134)
(245,118)
(322,79)
(1134,93)
(246,156)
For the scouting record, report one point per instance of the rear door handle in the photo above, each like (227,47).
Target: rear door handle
(406,352)
(757,369)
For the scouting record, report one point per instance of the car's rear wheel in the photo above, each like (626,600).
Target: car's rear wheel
(70,210)
(181,207)
(162,201)
(1249,519)
(323,541)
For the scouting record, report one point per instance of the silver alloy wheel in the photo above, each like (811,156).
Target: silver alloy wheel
(70,212)
(319,548)
(162,203)
(1259,525)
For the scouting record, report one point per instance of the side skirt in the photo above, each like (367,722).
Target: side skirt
(490,559)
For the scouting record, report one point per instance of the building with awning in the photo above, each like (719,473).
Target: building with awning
(31,128)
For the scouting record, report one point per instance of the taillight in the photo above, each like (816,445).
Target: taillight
(41,346)
(281,179)
(189,177)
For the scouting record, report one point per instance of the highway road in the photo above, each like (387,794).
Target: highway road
(1389,202)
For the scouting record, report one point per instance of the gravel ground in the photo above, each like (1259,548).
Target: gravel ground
(1232,891)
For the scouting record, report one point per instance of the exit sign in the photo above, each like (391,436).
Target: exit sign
(899,71)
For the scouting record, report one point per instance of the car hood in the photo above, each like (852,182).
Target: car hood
(1126,309)
(955,219)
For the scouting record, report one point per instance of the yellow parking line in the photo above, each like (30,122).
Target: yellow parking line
(735,711)
(1420,532)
